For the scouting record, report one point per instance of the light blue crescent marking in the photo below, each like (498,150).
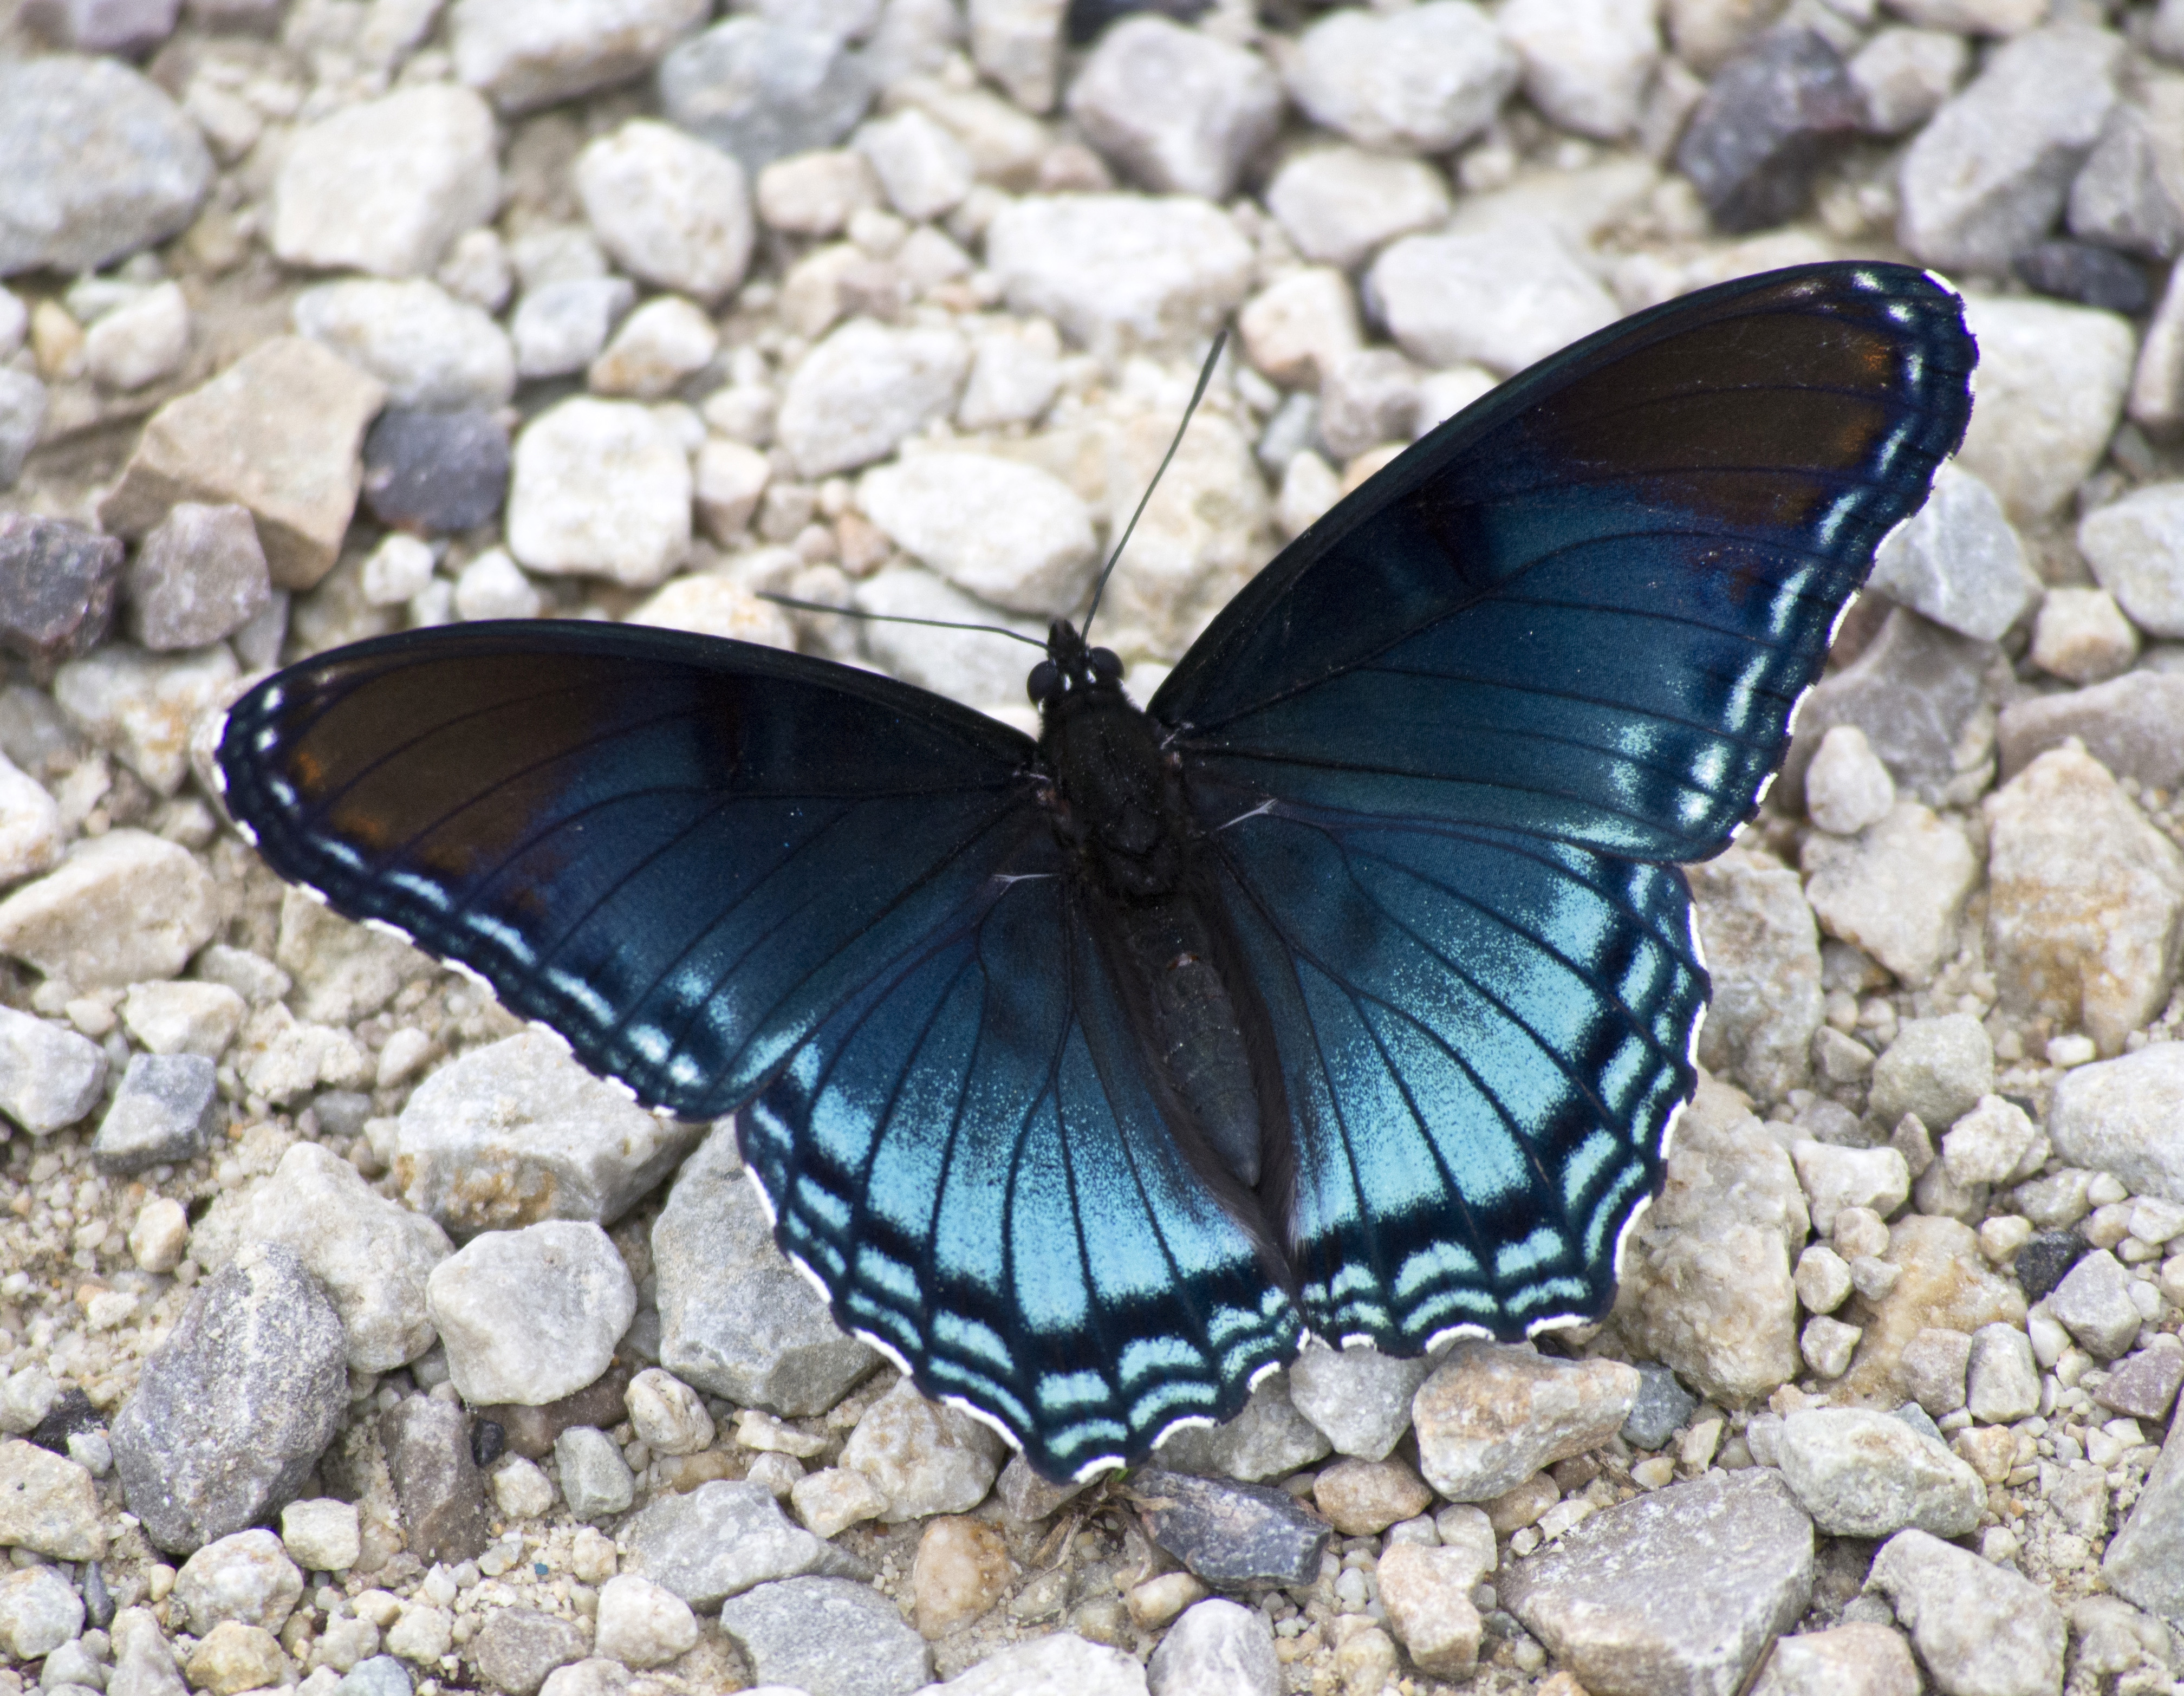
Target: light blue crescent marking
(1513,1260)
(1061,1391)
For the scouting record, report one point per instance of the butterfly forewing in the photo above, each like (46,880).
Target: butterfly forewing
(1585,606)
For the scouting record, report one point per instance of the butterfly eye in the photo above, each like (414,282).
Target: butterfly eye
(1106,665)
(1044,683)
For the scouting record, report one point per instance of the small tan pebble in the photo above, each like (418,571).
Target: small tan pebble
(963,1566)
(160,1236)
(1560,1684)
(667,1414)
(1364,1498)
(592,1556)
(1366,1663)
(835,1499)
(1655,1472)
(1523,1505)
(233,1657)
(1156,1601)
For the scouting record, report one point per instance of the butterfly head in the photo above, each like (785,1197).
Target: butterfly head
(1071,666)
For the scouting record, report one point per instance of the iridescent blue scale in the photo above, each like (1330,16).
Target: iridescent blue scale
(1438,763)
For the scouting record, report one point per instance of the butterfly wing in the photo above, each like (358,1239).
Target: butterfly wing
(698,859)
(971,1156)
(682,854)
(1442,747)
(1483,1036)
(1585,607)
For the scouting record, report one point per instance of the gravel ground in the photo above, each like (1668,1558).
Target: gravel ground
(353,1339)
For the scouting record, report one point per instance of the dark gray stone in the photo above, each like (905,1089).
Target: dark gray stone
(533,1431)
(2129,724)
(198,576)
(1692,1583)
(114,26)
(516,1648)
(1911,691)
(2145,1386)
(2043,1262)
(1231,1534)
(736,1319)
(1767,121)
(98,1599)
(1662,1406)
(70,1415)
(2090,276)
(721,1539)
(443,1507)
(58,582)
(761,90)
(827,1636)
(163,1114)
(435,472)
(235,1407)
(95,162)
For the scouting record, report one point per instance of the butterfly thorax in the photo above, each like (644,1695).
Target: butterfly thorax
(1116,797)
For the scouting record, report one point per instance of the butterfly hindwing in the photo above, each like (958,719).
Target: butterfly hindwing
(969,1155)
(1585,606)
(1484,1036)
(680,853)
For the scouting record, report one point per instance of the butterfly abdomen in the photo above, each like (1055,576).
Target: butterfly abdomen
(1119,808)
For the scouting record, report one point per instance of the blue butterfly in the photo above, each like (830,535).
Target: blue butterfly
(1349,987)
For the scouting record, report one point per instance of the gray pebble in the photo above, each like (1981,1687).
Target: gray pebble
(719,1540)
(1987,176)
(1268,1438)
(2095,1306)
(1976,1625)
(95,162)
(1692,1581)
(198,576)
(516,1648)
(2129,724)
(1661,1407)
(163,1115)
(1179,111)
(1861,1473)
(1217,1646)
(1360,1397)
(22,416)
(736,1319)
(2088,275)
(437,472)
(828,1637)
(127,27)
(1911,692)
(57,583)
(1958,560)
(526,56)
(595,1481)
(378,1675)
(1763,127)
(234,1408)
(49,1076)
(762,89)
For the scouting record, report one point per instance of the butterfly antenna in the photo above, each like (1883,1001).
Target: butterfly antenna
(1205,376)
(899,618)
